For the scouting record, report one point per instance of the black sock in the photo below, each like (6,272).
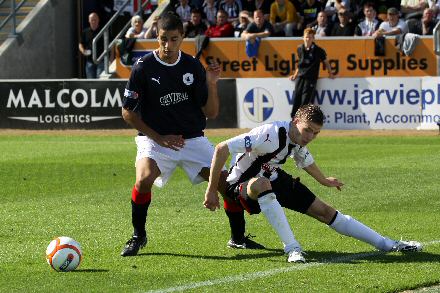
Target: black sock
(237,224)
(139,217)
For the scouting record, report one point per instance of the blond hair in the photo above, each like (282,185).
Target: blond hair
(309,31)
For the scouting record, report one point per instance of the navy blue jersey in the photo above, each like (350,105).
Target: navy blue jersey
(170,95)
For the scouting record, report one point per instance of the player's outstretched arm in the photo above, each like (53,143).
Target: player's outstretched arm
(314,171)
(212,105)
(221,154)
(174,142)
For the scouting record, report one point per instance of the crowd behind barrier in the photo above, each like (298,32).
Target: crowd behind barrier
(287,18)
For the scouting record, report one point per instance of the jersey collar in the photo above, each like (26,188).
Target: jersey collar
(164,63)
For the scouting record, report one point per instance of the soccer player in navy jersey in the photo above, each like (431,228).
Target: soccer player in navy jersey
(258,182)
(167,99)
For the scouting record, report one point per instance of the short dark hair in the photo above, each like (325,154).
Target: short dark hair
(196,11)
(393,11)
(170,21)
(310,113)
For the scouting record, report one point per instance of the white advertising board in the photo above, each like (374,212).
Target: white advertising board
(348,103)
(431,102)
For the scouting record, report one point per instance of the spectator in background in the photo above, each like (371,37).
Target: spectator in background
(323,27)
(357,10)
(85,47)
(393,26)
(344,27)
(298,4)
(333,6)
(210,11)
(184,10)
(222,29)
(137,30)
(196,4)
(412,6)
(435,5)
(106,11)
(244,21)
(152,32)
(259,28)
(370,24)
(233,8)
(382,7)
(195,26)
(306,74)
(309,12)
(253,5)
(284,18)
(423,26)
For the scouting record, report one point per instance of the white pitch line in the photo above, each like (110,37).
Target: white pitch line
(262,274)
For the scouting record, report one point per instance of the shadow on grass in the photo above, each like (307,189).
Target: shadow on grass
(319,256)
(90,271)
(373,256)
(241,254)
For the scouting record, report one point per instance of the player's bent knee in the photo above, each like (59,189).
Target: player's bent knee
(144,183)
(258,185)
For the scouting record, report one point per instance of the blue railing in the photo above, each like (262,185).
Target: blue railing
(12,16)
(105,34)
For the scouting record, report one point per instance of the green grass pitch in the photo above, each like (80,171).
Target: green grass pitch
(80,186)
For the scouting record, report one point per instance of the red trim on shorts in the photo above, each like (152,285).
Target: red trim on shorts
(140,198)
(232,206)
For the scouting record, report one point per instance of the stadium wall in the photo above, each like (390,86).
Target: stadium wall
(83,104)
(46,46)
(349,103)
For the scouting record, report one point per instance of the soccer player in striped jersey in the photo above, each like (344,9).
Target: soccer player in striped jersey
(257,181)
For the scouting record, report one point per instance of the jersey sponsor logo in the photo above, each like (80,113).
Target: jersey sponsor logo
(306,155)
(258,104)
(267,138)
(173,98)
(130,94)
(188,78)
(248,144)
(156,79)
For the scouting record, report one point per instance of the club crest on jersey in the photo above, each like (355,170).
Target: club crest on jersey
(188,78)
(248,144)
(130,94)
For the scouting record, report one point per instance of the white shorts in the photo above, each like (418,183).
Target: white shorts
(195,155)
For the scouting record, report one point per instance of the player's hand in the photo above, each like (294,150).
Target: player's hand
(333,182)
(213,72)
(292,77)
(174,142)
(211,200)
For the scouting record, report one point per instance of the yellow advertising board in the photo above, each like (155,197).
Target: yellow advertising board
(277,57)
